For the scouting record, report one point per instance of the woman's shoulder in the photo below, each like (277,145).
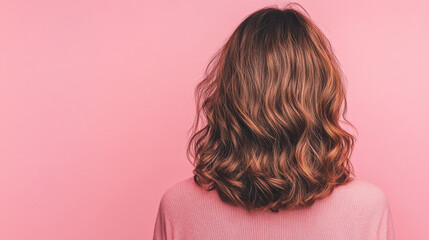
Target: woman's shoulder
(182,191)
(362,188)
(360,194)
(183,198)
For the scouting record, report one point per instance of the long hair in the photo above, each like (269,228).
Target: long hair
(272,98)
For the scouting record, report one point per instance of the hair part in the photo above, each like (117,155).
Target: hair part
(272,98)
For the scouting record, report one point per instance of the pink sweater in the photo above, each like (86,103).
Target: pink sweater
(357,211)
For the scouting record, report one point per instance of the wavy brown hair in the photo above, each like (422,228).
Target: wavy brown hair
(272,98)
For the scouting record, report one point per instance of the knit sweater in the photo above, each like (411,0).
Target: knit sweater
(357,210)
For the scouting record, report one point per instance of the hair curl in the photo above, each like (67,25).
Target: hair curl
(272,99)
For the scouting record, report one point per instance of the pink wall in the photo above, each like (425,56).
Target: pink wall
(96,98)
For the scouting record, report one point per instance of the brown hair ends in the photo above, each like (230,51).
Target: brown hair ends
(269,107)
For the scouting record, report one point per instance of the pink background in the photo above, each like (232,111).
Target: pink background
(96,98)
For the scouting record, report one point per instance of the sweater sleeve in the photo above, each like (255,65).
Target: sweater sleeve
(385,229)
(163,227)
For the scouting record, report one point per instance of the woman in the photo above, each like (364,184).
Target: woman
(272,147)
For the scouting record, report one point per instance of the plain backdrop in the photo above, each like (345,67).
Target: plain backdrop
(96,98)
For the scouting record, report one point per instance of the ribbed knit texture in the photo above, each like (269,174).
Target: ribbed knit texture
(358,210)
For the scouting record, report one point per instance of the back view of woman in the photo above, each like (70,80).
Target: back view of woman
(271,159)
